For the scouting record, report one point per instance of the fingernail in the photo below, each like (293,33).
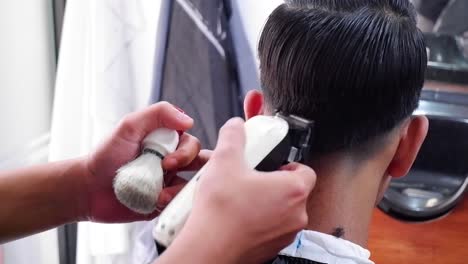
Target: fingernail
(184,117)
(163,200)
(178,108)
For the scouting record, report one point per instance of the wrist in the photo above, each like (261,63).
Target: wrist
(197,251)
(77,176)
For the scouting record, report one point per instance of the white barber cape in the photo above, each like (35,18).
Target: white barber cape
(325,248)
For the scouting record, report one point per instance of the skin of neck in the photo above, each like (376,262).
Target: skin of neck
(346,192)
(348,185)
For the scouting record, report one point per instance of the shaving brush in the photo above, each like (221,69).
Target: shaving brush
(138,183)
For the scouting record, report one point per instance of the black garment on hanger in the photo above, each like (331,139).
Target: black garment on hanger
(199,69)
(199,72)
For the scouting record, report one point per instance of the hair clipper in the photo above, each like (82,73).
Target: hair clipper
(271,141)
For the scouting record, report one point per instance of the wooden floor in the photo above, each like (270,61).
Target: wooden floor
(441,241)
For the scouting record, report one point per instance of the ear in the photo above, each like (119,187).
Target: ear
(253,104)
(382,188)
(411,139)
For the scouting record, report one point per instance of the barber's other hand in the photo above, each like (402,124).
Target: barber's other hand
(241,215)
(99,202)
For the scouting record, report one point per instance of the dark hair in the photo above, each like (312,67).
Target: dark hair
(356,67)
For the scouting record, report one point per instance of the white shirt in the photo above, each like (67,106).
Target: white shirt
(325,248)
(309,245)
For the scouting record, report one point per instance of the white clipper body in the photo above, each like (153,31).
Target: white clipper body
(138,183)
(263,134)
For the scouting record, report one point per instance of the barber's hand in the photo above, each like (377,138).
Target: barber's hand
(100,203)
(241,215)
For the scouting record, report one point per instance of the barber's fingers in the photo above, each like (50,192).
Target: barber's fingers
(203,156)
(186,153)
(135,126)
(301,172)
(229,150)
(172,179)
(167,194)
(294,182)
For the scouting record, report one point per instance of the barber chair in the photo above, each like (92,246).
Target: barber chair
(447,58)
(438,179)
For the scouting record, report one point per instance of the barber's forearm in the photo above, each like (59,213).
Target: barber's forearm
(194,254)
(39,198)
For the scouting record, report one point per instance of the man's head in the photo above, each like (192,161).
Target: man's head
(355,67)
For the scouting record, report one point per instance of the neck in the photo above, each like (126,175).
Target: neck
(343,198)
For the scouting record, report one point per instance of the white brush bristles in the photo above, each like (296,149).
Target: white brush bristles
(138,183)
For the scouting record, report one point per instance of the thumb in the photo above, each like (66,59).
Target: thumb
(135,126)
(231,143)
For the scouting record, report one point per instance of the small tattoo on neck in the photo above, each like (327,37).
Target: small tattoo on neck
(338,232)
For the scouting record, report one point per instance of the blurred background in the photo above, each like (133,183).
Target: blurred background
(422,217)
(70,69)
